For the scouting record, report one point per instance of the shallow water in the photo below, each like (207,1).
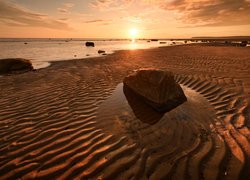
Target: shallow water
(43,51)
(125,115)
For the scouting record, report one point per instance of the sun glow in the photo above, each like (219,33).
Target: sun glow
(133,32)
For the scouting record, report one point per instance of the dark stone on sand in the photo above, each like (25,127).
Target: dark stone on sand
(243,43)
(142,111)
(15,65)
(157,88)
(90,44)
(101,51)
(163,42)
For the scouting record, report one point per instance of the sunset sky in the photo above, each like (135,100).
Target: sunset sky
(118,18)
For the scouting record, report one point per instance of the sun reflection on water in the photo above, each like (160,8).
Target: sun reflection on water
(133,44)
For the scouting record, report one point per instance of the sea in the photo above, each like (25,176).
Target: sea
(42,51)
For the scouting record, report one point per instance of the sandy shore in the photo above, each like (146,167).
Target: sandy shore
(72,119)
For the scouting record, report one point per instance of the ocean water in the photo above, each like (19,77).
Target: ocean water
(43,51)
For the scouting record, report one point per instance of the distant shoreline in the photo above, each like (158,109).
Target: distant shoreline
(232,38)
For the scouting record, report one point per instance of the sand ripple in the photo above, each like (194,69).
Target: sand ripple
(71,120)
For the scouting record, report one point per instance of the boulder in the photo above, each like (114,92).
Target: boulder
(156,88)
(101,51)
(15,65)
(141,110)
(90,44)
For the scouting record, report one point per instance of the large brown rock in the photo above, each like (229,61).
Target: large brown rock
(15,65)
(157,88)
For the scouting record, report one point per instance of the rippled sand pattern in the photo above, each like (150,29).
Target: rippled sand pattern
(72,121)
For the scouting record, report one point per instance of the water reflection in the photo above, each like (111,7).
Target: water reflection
(141,110)
(133,45)
(43,51)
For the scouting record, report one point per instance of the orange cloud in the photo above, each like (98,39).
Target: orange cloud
(100,21)
(65,8)
(63,11)
(111,4)
(208,12)
(14,15)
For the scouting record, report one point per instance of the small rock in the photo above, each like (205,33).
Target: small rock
(101,51)
(90,44)
(243,43)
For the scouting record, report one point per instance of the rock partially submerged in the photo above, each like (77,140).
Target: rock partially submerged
(243,43)
(141,110)
(101,51)
(90,44)
(15,65)
(157,88)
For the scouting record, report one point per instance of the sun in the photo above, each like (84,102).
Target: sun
(133,32)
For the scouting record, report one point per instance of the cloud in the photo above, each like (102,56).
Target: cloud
(147,16)
(63,19)
(94,21)
(208,12)
(65,9)
(110,4)
(133,19)
(99,21)
(15,15)
(68,5)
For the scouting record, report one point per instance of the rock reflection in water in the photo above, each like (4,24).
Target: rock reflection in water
(141,110)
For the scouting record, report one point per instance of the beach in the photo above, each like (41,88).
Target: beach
(72,119)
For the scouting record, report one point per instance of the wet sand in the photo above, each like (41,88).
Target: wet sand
(75,120)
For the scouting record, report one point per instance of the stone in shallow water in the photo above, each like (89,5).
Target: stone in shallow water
(90,44)
(156,88)
(15,65)
(141,110)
